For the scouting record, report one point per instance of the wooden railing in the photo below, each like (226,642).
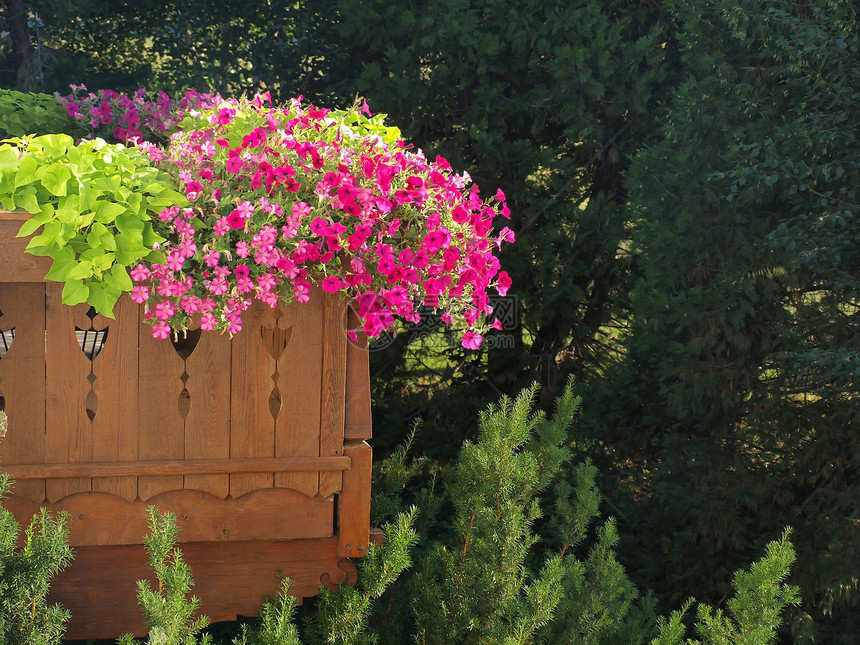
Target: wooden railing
(250,440)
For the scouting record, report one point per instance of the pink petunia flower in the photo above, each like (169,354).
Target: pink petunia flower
(472,340)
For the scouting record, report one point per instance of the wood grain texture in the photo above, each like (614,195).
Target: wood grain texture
(299,383)
(353,507)
(271,514)
(18,266)
(358,422)
(207,426)
(68,430)
(252,428)
(187,467)
(114,426)
(22,380)
(99,587)
(333,395)
(161,429)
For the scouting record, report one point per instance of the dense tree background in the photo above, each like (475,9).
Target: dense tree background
(682,177)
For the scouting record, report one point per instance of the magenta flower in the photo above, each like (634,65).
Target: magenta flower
(503,283)
(331,284)
(161,330)
(140,294)
(139,273)
(472,340)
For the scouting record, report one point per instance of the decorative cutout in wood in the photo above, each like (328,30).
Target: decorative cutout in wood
(91,340)
(185,346)
(6,338)
(276,340)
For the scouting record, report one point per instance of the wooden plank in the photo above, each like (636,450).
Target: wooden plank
(99,588)
(68,429)
(252,428)
(19,266)
(333,397)
(179,467)
(358,423)
(161,428)
(299,384)
(115,422)
(106,519)
(22,381)
(353,506)
(207,424)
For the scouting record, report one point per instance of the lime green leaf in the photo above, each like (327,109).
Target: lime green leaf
(68,208)
(103,297)
(128,250)
(131,226)
(56,179)
(64,262)
(26,171)
(26,199)
(50,236)
(103,237)
(75,292)
(8,157)
(119,278)
(32,225)
(81,270)
(150,237)
(56,144)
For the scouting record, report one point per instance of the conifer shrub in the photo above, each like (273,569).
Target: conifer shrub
(490,565)
(26,572)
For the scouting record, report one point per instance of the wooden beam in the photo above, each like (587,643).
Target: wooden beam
(178,467)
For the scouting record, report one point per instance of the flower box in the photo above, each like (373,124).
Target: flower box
(255,443)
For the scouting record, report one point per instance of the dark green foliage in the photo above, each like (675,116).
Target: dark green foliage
(274,623)
(478,589)
(547,100)
(736,408)
(167,611)
(341,617)
(22,114)
(25,576)
(232,48)
(753,613)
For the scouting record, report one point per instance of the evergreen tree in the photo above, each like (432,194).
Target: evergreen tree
(736,409)
(26,572)
(167,611)
(548,101)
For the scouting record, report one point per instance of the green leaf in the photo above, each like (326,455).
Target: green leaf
(119,278)
(32,225)
(75,292)
(128,250)
(81,270)
(103,298)
(8,157)
(51,236)
(131,226)
(55,144)
(26,171)
(104,237)
(64,262)
(56,179)
(26,199)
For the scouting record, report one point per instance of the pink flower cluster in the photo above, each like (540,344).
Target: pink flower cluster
(128,118)
(285,198)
